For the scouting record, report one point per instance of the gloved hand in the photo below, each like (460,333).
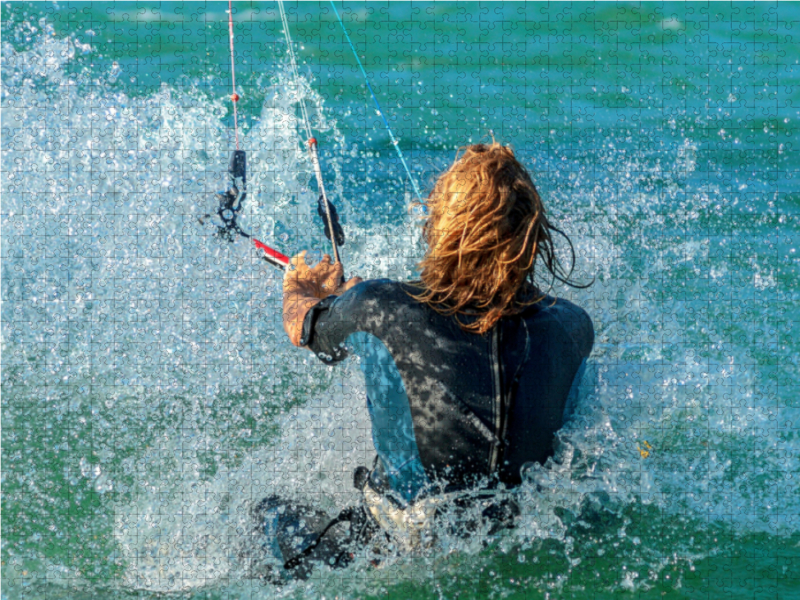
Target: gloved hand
(304,287)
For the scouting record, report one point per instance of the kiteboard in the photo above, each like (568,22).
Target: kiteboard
(295,538)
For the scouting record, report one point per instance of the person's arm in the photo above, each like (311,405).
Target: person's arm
(305,287)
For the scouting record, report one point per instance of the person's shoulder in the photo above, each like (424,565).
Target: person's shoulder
(564,305)
(574,320)
(559,308)
(381,292)
(377,304)
(382,288)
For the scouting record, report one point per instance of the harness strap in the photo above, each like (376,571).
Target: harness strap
(346,515)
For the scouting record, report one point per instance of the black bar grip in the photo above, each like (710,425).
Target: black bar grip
(322,211)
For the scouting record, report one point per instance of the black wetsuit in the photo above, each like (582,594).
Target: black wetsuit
(449,406)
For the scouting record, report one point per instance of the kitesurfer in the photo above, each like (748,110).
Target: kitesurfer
(469,369)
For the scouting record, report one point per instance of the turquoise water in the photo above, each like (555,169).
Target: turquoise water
(149,395)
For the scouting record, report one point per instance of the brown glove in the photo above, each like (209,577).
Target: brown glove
(304,287)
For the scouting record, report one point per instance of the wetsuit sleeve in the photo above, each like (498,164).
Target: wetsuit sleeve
(328,324)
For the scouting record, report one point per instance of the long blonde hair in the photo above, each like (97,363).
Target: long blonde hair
(485,229)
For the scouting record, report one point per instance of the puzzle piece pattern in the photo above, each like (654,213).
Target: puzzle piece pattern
(149,393)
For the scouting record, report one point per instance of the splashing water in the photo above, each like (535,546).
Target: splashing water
(150,396)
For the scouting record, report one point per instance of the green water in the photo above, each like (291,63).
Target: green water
(149,395)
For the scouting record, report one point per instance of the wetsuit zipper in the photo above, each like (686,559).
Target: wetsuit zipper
(498,408)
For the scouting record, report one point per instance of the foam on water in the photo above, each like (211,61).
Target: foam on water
(153,359)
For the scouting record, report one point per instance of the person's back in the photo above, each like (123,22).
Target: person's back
(449,406)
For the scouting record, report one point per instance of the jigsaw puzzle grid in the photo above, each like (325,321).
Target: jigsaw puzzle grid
(150,396)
